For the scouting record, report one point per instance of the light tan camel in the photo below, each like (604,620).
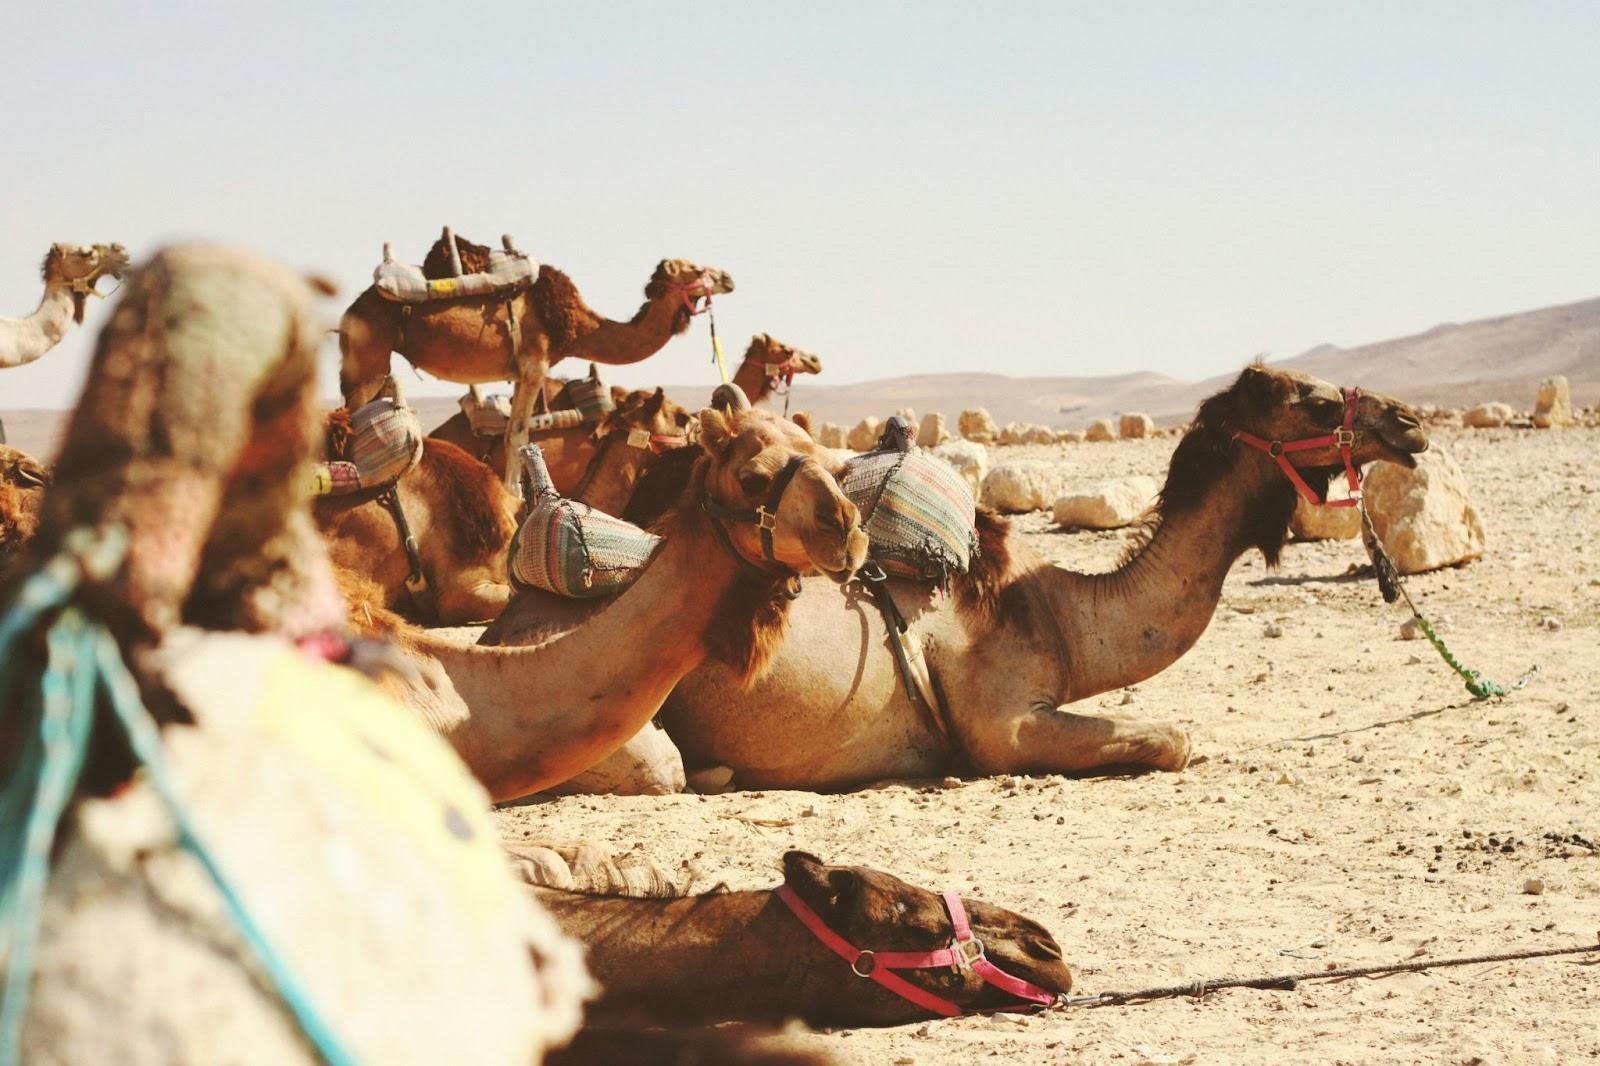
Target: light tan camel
(358,843)
(593,464)
(768,363)
(23,480)
(70,272)
(745,956)
(469,340)
(462,519)
(526,719)
(1018,638)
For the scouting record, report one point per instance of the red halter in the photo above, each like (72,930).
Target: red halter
(697,289)
(1343,439)
(783,371)
(964,953)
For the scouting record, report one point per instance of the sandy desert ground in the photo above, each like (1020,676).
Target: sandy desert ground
(1349,804)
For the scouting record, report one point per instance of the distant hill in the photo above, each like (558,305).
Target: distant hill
(1499,358)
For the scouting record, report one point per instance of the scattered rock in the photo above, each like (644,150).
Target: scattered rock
(1011,434)
(1100,429)
(1533,887)
(1424,516)
(1136,425)
(712,781)
(970,459)
(1551,623)
(975,424)
(865,435)
(1033,433)
(1312,522)
(951,782)
(831,435)
(932,432)
(1109,505)
(1553,407)
(1273,630)
(1489,415)
(1411,629)
(1069,436)
(1026,485)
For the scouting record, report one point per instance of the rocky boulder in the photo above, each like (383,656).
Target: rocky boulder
(1033,433)
(865,435)
(1488,415)
(932,433)
(1425,517)
(975,424)
(1012,433)
(1023,485)
(970,459)
(1069,436)
(1108,505)
(1553,407)
(1100,429)
(831,435)
(1136,425)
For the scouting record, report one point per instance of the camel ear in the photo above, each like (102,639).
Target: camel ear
(657,398)
(817,883)
(321,285)
(1259,388)
(803,420)
(716,430)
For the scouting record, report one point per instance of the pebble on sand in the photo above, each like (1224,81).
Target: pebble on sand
(1533,887)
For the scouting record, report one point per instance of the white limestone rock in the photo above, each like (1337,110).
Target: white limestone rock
(831,435)
(1022,485)
(865,434)
(1425,517)
(1108,505)
(932,432)
(975,424)
(1135,425)
(970,459)
(1553,406)
(1100,429)
(1488,415)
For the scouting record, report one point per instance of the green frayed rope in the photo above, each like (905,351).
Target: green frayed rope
(57,710)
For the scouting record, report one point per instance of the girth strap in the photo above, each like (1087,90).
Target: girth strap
(876,582)
(416,581)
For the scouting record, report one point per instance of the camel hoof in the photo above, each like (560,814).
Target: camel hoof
(1175,750)
(597,871)
(540,867)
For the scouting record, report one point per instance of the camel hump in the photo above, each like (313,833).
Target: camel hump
(474,259)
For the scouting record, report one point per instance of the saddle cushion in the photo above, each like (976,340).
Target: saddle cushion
(573,550)
(385,442)
(508,273)
(918,513)
(488,416)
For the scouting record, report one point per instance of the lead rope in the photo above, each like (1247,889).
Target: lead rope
(83,665)
(716,342)
(1390,581)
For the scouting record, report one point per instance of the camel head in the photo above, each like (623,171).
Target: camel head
(1276,404)
(771,352)
(876,911)
(691,285)
(816,527)
(651,412)
(23,480)
(79,266)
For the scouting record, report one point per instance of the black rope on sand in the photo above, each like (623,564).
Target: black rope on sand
(1287,982)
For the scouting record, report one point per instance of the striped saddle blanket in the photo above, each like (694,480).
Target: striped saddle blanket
(569,548)
(385,441)
(917,512)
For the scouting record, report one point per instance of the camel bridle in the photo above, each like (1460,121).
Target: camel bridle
(965,953)
(1343,438)
(696,291)
(765,519)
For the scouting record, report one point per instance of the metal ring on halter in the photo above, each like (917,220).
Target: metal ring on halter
(871,961)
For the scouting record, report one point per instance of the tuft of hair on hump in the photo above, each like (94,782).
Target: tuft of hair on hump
(474,258)
(995,586)
(477,525)
(337,433)
(560,307)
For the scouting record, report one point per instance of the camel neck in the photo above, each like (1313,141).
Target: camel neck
(540,715)
(615,343)
(30,337)
(1121,627)
(612,472)
(752,378)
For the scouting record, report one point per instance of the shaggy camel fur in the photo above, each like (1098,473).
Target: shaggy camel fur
(769,361)
(70,272)
(23,480)
(357,841)
(1018,639)
(593,464)
(469,340)
(745,956)
(530,718)
(463,520)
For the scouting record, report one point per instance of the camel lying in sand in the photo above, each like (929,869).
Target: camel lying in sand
(23,480)
(1018,639)
(70,272)
(469,339)
(526,719)
(746,956)
(360,847)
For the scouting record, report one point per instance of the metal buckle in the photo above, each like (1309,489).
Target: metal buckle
(638,438)
(1275,449)
(767,520)
(1344,438)
(967,953)
(865,957)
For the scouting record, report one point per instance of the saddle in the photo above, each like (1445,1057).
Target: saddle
(500,273)
(581,401)
(569,548)
(371,448)
(917,512)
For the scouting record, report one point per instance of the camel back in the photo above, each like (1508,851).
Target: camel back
(486,272)
(918,513)
(569,548)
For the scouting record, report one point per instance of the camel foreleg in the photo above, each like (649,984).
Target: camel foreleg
(1046,739)
(530,382)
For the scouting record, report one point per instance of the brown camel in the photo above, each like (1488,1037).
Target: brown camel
(462,519)
(1017,639)
(469,339)
(23,480)
(356,841)
(526,719)
(745,956)
(70,273)
(593,464)
(768,363)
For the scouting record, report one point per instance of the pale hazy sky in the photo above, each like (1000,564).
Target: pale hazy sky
(1028,189)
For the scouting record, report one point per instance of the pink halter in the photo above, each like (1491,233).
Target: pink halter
(1343,438)
(695,290)
(964,953)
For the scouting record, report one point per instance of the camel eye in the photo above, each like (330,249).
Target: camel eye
(1321,407)
(754,483)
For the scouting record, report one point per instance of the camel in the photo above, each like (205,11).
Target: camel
(1017,639)
(769,361)
(70,272)
(526,719)
(594,464)
(23,480)
(462,520)
(356,844)
(746,956)
(470,339)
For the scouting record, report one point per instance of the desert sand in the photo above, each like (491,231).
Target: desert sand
(1349,804)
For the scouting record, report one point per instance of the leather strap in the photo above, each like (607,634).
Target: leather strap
(1344,439)
(416,581)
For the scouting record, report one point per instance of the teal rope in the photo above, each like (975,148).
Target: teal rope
(57,709)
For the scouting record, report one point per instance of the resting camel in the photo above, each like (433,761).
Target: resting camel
(70,272)
(1018,639)
(23,480)
(746,956)
(769,361)
(469,339)
(572,453)
(359,846)
(526,719)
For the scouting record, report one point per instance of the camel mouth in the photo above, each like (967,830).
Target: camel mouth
(1402,438)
